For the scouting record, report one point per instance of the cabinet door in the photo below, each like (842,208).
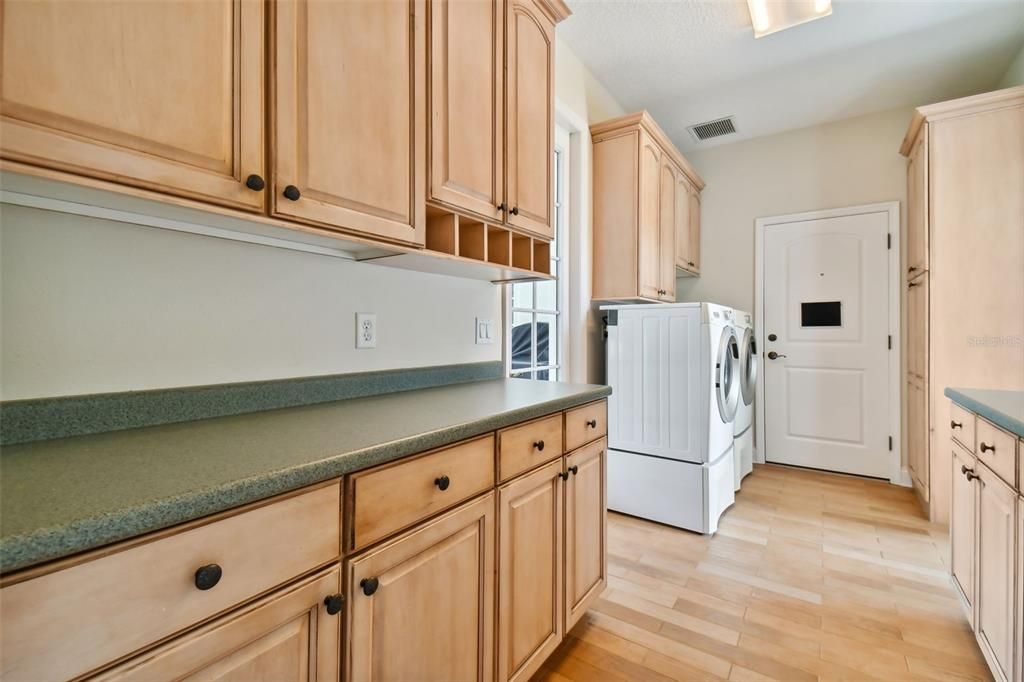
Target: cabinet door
(917,434)
(683,223)
(1020,580)
(649,228)
(997,529)
(167,96)
(529,571)
(694,248)
(917,206)
(667,223)
(586,550)
(349,119)
(289,635)
(530,117)
(421,607)
(467,105)
(917,327)
(962,526)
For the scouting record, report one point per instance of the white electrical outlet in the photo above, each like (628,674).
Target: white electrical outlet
(366,330)
(484,331)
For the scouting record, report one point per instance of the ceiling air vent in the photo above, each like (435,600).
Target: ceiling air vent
(710,129)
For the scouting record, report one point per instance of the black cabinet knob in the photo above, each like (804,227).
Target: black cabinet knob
(255,183)
(502,207)
(912,269)
(955,425)
(690,263)
(369,585)
(539,445)
(334,604)
(292,193)
(442,482)
(515,210)
(207,576)
(574,469)
(911,285)
(564,475)
(985,447)
(971,475)
(592,423)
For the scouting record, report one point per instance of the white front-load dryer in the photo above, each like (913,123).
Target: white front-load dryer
(743,432)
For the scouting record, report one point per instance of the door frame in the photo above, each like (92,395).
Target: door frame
(898,472)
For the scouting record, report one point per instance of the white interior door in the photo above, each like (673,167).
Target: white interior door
(826,312)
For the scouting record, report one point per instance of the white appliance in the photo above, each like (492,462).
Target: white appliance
(675,390)
(742,426)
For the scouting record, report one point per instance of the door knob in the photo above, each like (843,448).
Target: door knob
(539,445)
(515,210)
(255,183)
(772,337)
(208,576)
(574,469)
(443,482)
(334,604)
(592,423)
(292,193)
(369,585)
(772,355)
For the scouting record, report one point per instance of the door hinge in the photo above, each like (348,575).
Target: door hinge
(890,443)
(890,341)
(888,240)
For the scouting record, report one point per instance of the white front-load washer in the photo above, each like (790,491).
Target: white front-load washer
(674,373)
(743,432)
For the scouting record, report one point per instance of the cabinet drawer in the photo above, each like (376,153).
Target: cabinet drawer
(73,620)
(395,496)
(584,424)
(522,447)
(961,425)
(998,450)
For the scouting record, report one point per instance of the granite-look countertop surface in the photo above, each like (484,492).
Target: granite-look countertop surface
(60,497)
(1003,408)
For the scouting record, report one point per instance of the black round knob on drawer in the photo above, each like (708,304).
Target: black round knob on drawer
(442,482)
(592,423)
(515,210)
(985,447)
(574,469)
(207,576)
(539,445)
(690,263)
(955,425)
(369,585)
(564,475)
(334,604)
(292,193)
(255,183)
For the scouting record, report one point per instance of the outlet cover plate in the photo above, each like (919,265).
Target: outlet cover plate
(366,330)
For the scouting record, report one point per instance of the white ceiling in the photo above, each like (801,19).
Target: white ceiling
(688,61)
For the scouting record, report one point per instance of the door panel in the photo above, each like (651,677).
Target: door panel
(349,115)
(996,531)
(694,248)
(917,434)
(164,95)
(917,327)
(530,606)
(682,222)
(530,117)
(826,300)
(586,553)
(917,206)
(962,527)
(649,229)
(667,222)
(433,585)
(467,104)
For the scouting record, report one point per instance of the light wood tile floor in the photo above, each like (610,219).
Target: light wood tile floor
(811,576)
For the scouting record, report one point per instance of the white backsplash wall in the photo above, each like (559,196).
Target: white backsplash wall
(91,305)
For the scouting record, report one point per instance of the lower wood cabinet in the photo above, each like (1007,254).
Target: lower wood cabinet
(1020,580)
(586,541)
(293,634)
(422,605)
(963,526)
(997,531)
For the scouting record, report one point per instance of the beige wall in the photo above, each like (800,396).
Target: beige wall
(845,163)
(90,305)
(1015,73)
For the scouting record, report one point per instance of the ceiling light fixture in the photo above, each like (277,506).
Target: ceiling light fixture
(769,16)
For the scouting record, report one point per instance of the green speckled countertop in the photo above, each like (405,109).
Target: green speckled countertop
(60,497)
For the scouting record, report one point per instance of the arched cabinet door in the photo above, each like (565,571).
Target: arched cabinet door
(530,111)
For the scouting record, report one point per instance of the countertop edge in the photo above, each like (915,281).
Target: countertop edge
(31,549)
(994,415)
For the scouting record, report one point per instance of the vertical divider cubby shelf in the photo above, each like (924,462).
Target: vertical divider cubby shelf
(499,245)
(442,232)
(542,257)
(472,239)
(522,252)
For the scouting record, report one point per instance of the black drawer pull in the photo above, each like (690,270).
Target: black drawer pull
(442,482)
(592,423)
(334,604)
(955,425)
(971,475)
(515,210)
(208,576)
(574,469)
(502,207)
(369,585)
(539,445)
(985,447)
(292,193)
(255,183)
(564,475)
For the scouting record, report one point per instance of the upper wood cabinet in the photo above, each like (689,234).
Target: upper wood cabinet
(917,206)
(645,198)
(492,111)
(422,605)
(348,113)
(164,96)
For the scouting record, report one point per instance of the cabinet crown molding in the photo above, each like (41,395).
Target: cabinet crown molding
(965,106)
(643,119)
(557,9)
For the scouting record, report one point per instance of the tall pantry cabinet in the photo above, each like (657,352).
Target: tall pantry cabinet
(964,270)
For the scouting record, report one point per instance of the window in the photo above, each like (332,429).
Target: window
(533,324)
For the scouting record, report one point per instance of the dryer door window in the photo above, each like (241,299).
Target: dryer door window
(726,375)
(748,366)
